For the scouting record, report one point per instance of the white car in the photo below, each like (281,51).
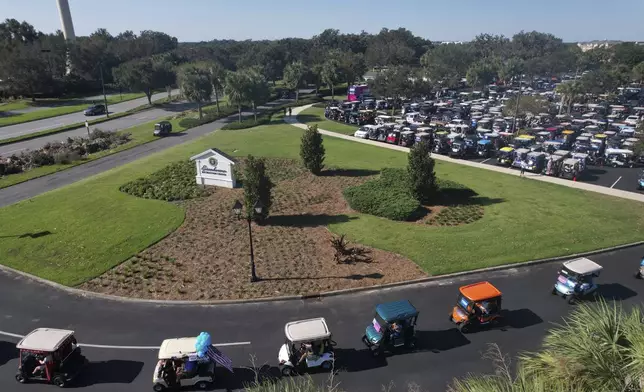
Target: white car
(632,120)
(363,132)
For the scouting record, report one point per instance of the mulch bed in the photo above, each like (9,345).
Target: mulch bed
(207,258)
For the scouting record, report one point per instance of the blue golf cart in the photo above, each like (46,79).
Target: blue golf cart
(393,327)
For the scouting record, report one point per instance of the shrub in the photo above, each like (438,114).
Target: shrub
(65,157)
(387,196)
(257,186)
(312,150)
(420,169)
(174,182)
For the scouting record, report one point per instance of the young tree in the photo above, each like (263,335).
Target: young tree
(257,186)
(195,85)
(312,150)
(420,167)
(237,90)
(293,77)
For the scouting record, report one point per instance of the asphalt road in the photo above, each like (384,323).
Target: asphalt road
(73,118)
(112,125)
(53,181)
(257,329)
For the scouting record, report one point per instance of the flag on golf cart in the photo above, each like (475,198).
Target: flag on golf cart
(220,358)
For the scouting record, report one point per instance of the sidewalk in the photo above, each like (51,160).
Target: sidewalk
(554,180)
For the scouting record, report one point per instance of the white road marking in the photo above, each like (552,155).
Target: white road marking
(14,335)
(620,177)
(486,160)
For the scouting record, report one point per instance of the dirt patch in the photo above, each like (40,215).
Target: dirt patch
(207,258)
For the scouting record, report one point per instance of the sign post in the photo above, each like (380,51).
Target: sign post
(87,127)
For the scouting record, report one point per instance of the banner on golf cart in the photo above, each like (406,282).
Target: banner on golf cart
(220,358)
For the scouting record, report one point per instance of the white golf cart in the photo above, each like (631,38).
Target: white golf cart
(189,369)
(575,280)
(308,346)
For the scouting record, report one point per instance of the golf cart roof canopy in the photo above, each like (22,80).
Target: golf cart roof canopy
(44,339)
(582,266)
(394,311)
(307,330)
(177,348)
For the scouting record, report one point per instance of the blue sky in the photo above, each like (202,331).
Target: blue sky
(204,20)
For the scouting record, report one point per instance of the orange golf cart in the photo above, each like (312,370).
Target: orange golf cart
(478,305)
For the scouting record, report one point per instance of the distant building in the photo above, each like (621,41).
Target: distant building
(586,46)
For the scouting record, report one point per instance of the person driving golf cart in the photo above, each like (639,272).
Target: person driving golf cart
(315,347)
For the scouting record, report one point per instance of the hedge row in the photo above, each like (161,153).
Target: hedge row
(387,196)
(174,182)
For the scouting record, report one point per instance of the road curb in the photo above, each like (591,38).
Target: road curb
(93,295)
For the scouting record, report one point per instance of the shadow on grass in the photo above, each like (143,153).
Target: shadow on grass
(306,220)
(109,372)
(374,275)
(349,173)
(8,351)
(29,235)
(309,118)
(9,114)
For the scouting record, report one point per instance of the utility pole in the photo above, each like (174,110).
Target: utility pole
(107,111)
(516,111)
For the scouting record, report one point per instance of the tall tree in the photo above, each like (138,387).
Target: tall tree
(144,75)
(294,76)
(25,71)
(257,187)
(393,83)
(217,79)
(312,150)
(195,85)
(569,92)
(258,90)
(420,168)
(330,75)
(638,72)
(447,63)
(237,90)
(352,66)
(481,74)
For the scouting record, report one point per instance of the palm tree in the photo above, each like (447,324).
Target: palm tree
(237,89)
(600,348)
(293,76)
(195,85)
(217,76)
(258,90)
(569,91)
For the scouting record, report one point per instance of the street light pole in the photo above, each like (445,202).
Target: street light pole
(107,111)
(257,209)
(253,275)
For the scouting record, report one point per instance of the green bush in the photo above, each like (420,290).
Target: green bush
(387,196)
(174,182)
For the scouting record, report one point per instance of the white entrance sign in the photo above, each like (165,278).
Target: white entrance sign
(215,168)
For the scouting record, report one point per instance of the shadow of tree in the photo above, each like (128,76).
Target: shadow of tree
(29,235)
(306,220)
(308,118)
(349,173)
(375,275)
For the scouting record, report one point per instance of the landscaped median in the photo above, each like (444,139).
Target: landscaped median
(63,107)
(79,232)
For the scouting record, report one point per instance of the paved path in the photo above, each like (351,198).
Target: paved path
(27,128)
(258,328)
(53,181)
(554,180)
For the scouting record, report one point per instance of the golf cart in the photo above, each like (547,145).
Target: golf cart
(640,271)
(553,165)
(570,169)
(536,161)
(575,279)
(484,148)
(505,156)
(520,156)
(162,128)
(640,181)
(180,365)
(619,157)
(392,327)
(51,356)
(478,305)
(407,138)
(315,348)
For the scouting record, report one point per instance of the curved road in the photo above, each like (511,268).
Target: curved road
(257,328)
(72,118)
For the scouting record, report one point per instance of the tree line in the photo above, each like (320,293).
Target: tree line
(33,63)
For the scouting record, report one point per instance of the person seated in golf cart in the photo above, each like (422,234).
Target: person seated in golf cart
(478,305)
(315,348)
(179,365)
(575,279)
(49,355)
(393,327)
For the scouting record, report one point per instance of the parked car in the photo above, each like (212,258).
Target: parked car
(95,110)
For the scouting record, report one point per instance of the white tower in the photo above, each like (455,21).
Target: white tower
(66,20)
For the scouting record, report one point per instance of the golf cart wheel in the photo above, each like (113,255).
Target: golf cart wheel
(375,353)
(327,365)
(59,381)
(158,387)
(638,275)
(463,328)
(571,300)
(20,378)
(203,385)
(554,291)
(287,371)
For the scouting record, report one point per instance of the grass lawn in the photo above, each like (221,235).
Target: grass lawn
(94,226)
(62,107)
(315,115)
(140,134)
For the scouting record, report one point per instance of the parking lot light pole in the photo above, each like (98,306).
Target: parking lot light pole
(257,210)
(107,111)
